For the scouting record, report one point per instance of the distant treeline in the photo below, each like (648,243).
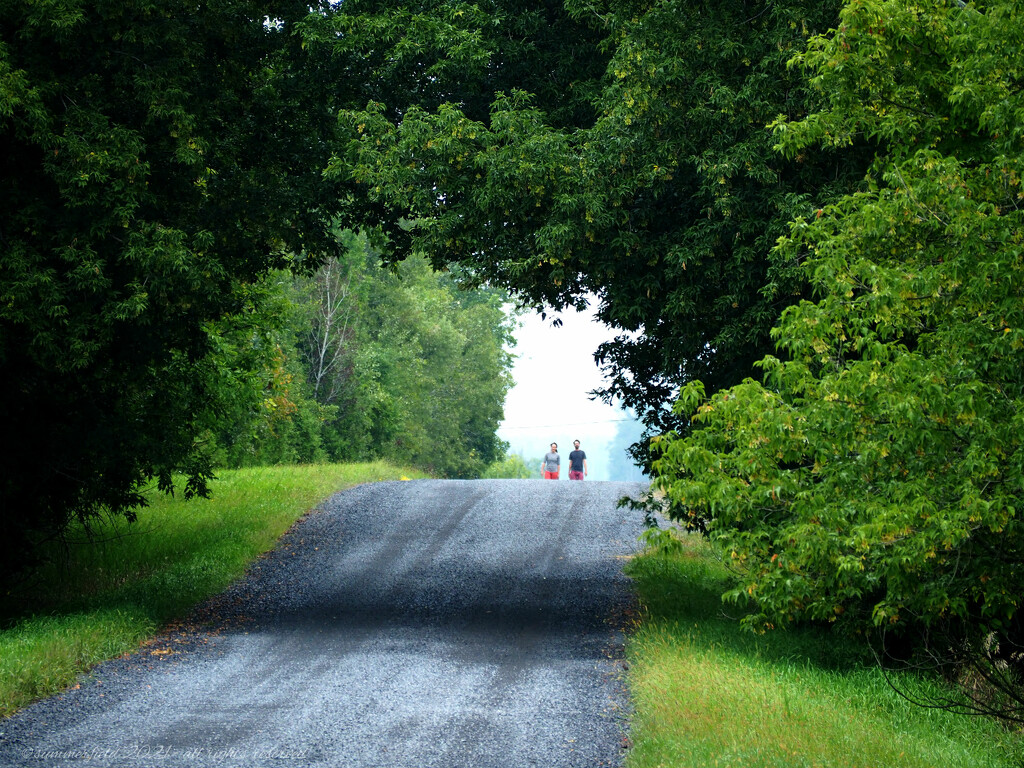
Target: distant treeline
(361,362)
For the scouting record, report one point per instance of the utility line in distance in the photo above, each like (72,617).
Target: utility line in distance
(571,424)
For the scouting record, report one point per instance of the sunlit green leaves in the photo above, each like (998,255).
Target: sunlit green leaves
(874,476)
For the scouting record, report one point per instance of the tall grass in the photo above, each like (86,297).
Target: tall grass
(707,693)
(105,593)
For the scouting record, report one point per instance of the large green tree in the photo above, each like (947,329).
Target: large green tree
(874,479)
(663,198)
(157,158)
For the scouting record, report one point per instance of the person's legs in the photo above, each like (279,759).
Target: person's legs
(575,475)
(550,475)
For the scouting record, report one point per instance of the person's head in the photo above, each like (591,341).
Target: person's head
(554,447)
(576,443)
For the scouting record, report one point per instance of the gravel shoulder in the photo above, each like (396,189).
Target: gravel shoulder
(420,624)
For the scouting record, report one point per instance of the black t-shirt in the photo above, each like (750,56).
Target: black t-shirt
(576,459)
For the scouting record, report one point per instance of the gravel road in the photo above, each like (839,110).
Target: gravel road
(422,624)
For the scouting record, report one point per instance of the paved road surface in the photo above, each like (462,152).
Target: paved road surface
(425,624)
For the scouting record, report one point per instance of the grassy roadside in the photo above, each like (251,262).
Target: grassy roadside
(105,597)
(707,693)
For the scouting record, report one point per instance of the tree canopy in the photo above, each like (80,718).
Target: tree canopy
(665,203)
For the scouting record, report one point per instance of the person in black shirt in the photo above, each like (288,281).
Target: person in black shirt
(577,463)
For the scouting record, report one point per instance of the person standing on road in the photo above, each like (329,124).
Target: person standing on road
(577,463)
(552,463)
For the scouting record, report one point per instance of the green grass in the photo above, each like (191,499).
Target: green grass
(707,693)
(103,597)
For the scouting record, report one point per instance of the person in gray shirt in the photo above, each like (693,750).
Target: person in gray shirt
(552,463)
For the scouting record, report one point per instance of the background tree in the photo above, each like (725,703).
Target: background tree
(440,359)
(422,374)
(281,421)
(513,467)
(874,479)
(333,300)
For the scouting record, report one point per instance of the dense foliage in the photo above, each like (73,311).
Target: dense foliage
(665,204)
(513,467)
(157,158)
(875,478)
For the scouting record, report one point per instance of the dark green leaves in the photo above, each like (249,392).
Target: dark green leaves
(158,158)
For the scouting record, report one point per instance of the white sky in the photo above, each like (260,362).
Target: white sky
(553,373)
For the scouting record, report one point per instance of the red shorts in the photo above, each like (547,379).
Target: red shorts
(575,475)
(550,475)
